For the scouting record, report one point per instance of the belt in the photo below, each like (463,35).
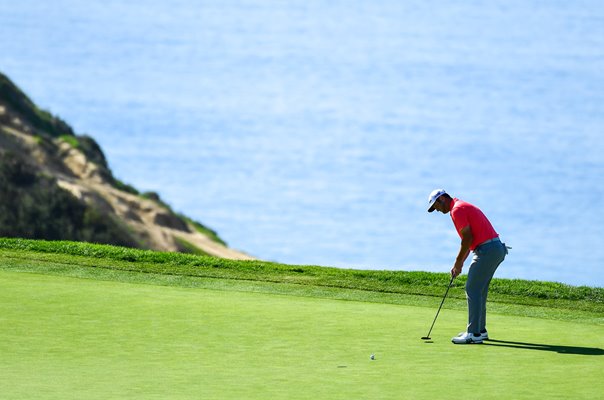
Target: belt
(495,239)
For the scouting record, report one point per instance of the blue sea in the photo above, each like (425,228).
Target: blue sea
(312,131)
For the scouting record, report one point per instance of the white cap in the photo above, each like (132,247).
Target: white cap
(436,193)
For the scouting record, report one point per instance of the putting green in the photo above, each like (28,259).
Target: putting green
(67,338)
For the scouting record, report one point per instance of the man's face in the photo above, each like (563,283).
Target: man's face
(440,205)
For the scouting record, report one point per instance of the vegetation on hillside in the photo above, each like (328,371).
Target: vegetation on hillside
(34,206)
(22,105)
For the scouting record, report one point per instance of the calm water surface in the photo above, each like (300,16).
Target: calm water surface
(311,132)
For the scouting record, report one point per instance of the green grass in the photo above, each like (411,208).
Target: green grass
(71,140)
(515,297)
(98,322)
(188,247)
(68,338)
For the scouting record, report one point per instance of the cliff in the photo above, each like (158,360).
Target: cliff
(57,185)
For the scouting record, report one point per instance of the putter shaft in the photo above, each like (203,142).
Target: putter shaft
(427,337)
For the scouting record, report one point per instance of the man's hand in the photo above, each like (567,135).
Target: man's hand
(456,270)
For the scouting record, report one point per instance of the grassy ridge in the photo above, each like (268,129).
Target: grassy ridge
(555,296)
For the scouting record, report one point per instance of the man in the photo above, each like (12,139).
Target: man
(477,235)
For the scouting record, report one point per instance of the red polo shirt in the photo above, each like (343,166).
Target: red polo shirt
(465,214)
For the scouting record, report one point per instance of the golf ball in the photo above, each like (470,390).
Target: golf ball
(372,357)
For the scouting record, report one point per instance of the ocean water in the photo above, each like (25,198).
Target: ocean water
(311,132)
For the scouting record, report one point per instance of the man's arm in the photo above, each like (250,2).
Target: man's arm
(464,250)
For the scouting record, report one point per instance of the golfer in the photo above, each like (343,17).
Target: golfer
(477,235)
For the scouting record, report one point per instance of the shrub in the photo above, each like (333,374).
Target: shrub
(33,206)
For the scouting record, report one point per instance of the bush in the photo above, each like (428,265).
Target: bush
(35,207)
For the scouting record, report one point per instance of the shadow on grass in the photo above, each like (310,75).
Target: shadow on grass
(584,351)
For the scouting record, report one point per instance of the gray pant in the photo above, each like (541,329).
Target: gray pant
(484,264)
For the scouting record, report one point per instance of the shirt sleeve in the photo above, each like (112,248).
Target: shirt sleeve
(460,219)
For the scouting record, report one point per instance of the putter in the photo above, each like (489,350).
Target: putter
(427,337)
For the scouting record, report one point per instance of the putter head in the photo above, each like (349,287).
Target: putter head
(426,338)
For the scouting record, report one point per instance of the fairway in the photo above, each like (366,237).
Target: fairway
(68,338)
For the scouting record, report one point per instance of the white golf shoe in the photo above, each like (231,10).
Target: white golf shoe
(483,335)
(467,338)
